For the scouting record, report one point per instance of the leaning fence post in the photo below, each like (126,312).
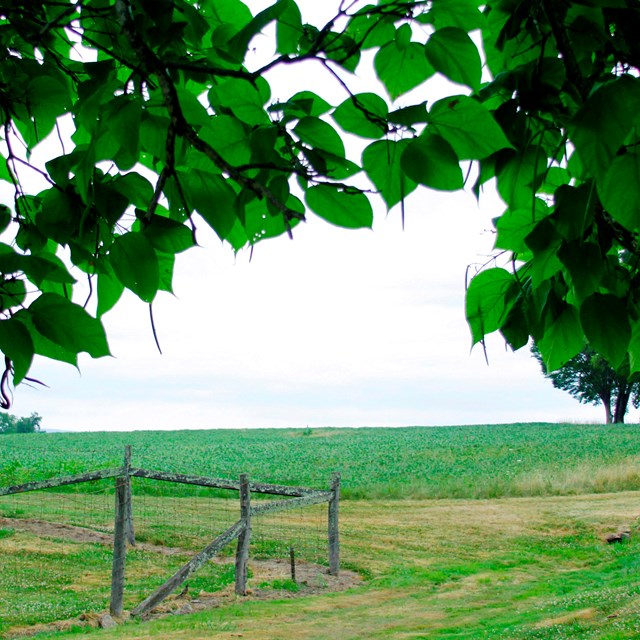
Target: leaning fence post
(128,504)
(119,549)
(244,539)
(334,538)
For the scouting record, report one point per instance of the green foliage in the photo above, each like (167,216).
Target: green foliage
(480,461)
(283,584)
(12,424)
(550,114)
(589,378)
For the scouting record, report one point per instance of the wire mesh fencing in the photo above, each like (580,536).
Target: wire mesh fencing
(67,540)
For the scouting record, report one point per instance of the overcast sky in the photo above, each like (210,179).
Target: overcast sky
(333,328)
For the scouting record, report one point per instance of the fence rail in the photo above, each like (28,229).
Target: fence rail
(295,498)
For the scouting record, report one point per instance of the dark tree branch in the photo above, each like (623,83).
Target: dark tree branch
(574,74)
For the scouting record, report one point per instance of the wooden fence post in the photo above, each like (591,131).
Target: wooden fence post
(334,537)
(128,515)
(244,539)
(119,549)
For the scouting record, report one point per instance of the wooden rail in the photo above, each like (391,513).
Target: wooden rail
(296,497)
(220,483)
(63,481)
(193,565)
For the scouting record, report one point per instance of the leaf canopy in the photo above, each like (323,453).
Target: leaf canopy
(170,113)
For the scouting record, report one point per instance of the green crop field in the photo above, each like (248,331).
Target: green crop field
(439,462)
(489,532)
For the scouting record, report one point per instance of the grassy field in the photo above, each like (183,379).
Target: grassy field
(528,567)
(439,462)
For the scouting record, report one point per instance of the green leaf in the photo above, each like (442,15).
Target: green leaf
(304,103)
(585,264)
(562,340)
(574,210)
(331,165)
(430,160)
(343,50)
(452,52)
(408,116)
(153,135)
(620,190)
(515,328)
(371,31)
(43,346)
(634,348)
(68,325)
(519,176)
(554,178)
(110,290)
(122,129)
(16,343)
(514,225)
(46,267)
(289,28)
(239,44)
(605,322)
(137,189)
(261,223)
(602,124)
(487,303)
(168,235)
(342,207)
(229,137)
(545,244)
(382,162)
(232,14)
(363,114)
(212,197)
(320,135)
(166,262)
(455,13)
(12,293)
(5,215)
(468,127)
(58,215)
(402,68)
(243,98)
(135,264)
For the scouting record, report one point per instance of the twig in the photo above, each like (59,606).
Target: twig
(153,328)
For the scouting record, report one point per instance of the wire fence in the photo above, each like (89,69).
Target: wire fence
(58,545)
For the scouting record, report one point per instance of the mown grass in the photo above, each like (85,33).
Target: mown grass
(526,569)
(481,461)
(464,533)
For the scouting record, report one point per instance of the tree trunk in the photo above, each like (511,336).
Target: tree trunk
(622,402)
(606,401)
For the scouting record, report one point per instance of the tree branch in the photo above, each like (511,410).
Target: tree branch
(574,74)
(178,121)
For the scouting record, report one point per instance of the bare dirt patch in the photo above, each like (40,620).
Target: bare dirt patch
(76,534)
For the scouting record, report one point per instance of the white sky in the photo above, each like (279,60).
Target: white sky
(334,328)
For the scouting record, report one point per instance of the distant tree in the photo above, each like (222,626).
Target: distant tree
(589,378)
(12,424)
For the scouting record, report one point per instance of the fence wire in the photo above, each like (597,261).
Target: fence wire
(56,545)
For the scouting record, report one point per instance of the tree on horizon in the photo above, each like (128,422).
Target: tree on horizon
(590,379)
